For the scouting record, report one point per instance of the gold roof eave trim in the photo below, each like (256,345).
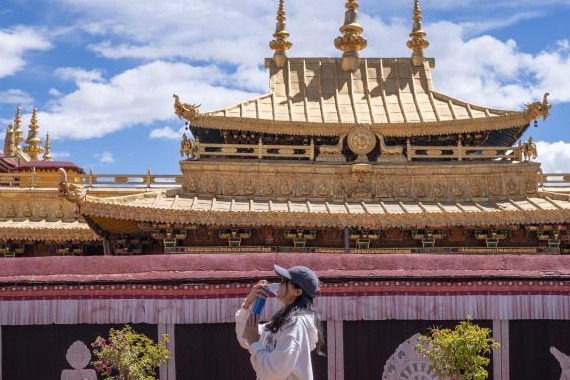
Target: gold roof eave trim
(279,219)
(48,234)
(406,129)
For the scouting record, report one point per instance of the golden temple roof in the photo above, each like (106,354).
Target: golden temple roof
(43,230)
(315,96)
(173,208)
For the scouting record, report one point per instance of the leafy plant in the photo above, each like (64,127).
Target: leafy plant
(461,353)
(128,355)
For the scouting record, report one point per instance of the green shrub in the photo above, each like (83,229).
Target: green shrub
(461,353)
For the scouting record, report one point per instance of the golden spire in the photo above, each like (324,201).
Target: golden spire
(47,148)
(418,41)
(9,141)
(351,42)
(18,132)
(33,141)
(280,43)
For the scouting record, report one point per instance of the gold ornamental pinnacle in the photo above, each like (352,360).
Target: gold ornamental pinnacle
(418,42)
(351,42)
(280,42)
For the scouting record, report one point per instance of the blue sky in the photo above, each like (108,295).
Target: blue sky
(102,72)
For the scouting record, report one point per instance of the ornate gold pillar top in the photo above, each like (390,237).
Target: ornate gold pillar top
(33,141)
(351,42)
(280,43)
(18,128)
(47,149)
(9,142)
(418,42)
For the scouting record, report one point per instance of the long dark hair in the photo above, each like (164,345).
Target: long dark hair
(303,305)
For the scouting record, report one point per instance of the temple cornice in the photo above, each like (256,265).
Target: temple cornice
(404,129)
(104,213)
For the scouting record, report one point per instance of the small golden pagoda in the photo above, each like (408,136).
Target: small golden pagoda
(345,154)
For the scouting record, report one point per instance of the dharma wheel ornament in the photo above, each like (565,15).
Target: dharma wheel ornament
(361,141)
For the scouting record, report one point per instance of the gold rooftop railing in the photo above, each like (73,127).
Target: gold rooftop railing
(90,180)
(554,179)
(259,151)
(461,153)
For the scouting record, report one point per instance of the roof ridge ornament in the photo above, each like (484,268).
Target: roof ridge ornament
(537,109)
(186,111)
(73,192)
(351,42)
(418,42)
(280,43)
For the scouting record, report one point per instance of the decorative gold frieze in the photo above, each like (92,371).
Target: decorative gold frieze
(360,181)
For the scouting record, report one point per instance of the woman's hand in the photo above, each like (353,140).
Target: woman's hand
(251,331)
(257,290)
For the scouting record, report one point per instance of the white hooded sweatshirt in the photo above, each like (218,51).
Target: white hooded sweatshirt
(284,355)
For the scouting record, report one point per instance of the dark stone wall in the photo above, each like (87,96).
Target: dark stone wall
(530,342)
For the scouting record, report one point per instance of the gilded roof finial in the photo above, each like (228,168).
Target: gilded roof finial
(10,142)
(418,41)
(280,43)
(18,132)
(47,149)
(33,141)
(351,42)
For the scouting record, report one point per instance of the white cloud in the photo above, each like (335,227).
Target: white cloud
(79,75)
(166,133)
(105,157)
(14,44)
(219,48)
(60,155)
(141,95)
(15,96)
(554,157)
(496,73)
(54,92)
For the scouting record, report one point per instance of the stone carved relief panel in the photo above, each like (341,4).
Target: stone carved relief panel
(78,356)
(407,363)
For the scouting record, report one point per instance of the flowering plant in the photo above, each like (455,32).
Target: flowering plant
(460,353)
(128,355)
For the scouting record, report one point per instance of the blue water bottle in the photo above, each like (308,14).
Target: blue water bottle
(258,305)
(259,302)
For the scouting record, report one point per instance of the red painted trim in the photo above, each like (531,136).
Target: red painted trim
(239,290)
